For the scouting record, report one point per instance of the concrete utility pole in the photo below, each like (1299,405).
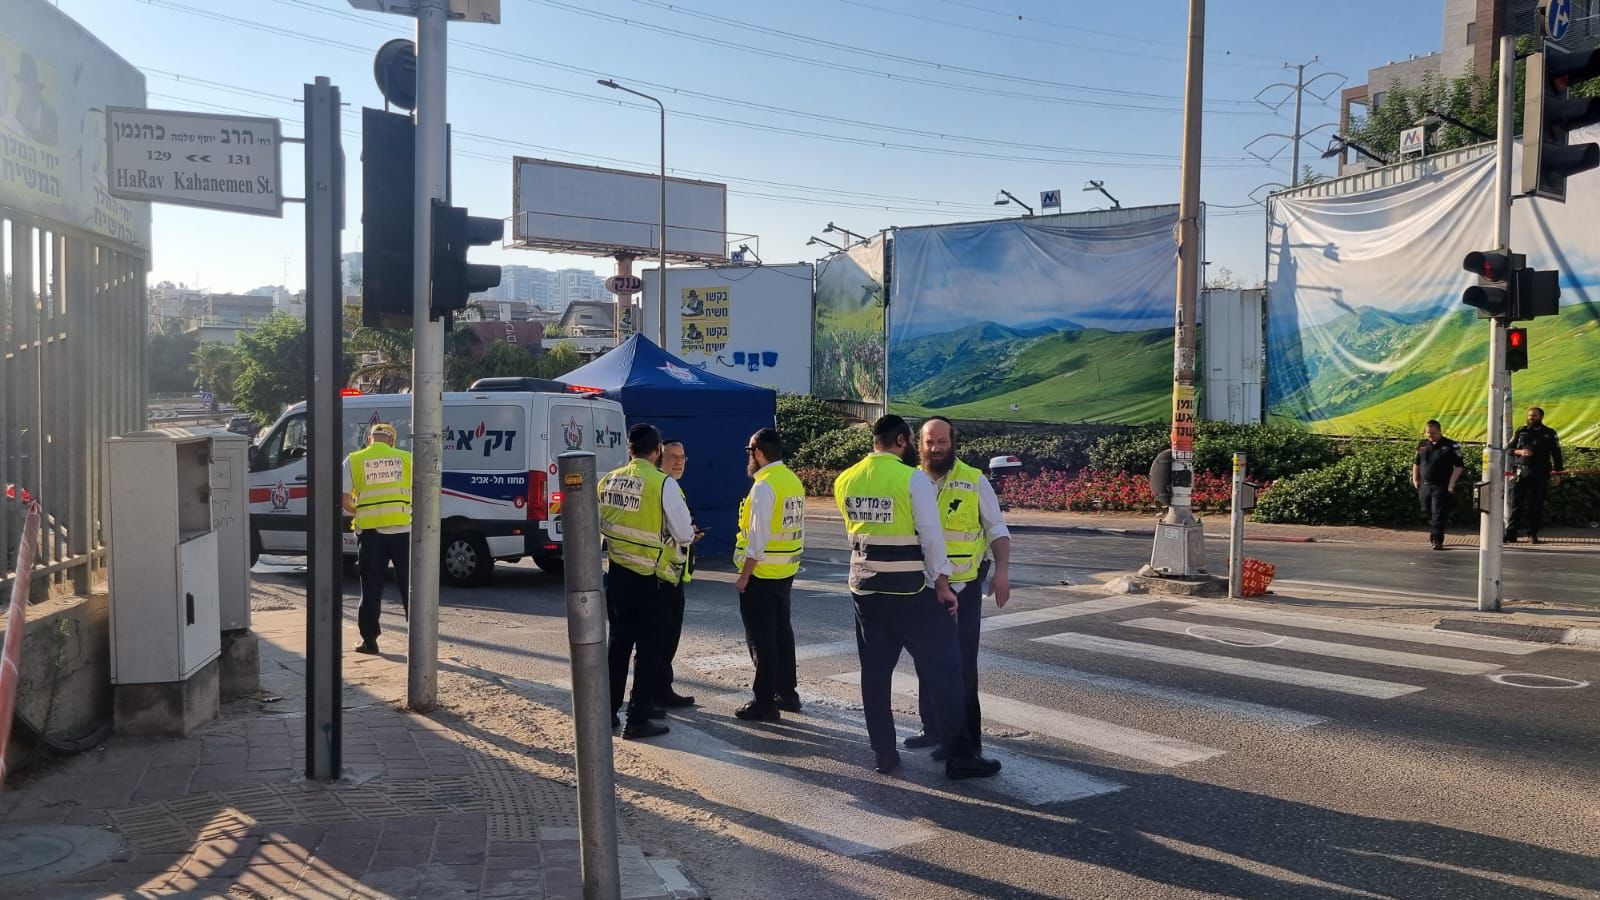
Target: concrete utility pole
(1491,521)
(1180,543)
(427,385)
(1298,89)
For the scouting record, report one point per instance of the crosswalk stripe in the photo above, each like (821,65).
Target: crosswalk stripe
(1035,782)
(1065,611)
(1071,728)
(1242,637)
(1411,634)
(1244,668)
(741,658)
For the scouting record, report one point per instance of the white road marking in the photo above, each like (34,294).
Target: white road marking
(1065,611)
(1414,634)
(741,658)
(1356,652)
(1244,668)
(1071,728)
(1549,682)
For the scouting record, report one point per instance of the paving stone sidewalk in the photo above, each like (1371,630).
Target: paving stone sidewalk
(422,810)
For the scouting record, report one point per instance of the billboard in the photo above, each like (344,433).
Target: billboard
(583,209)
(748,323)
(56,80)
(1366,329)
(1042,319)
(847,346)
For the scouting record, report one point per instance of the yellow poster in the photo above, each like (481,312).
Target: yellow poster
(704,318)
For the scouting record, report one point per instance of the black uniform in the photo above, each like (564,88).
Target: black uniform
(1435,463)
(1532,477)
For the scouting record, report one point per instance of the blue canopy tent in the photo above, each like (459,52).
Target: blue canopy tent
(712,415)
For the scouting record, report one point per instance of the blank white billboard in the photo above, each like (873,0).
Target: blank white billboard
(584,209)
(748,323)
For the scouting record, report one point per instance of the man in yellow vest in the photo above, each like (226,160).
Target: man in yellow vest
(377,493)
(647,528)
(974,532)
(772,526)
(674,459)
(900,580)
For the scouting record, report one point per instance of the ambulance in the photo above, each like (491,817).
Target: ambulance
(499,496)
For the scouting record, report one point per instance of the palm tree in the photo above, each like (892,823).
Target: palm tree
(217,366)
(383,359)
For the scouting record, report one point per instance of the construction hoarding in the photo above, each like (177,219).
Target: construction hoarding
(748,323)
(847,346)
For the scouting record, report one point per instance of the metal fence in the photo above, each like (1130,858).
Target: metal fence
(72,375)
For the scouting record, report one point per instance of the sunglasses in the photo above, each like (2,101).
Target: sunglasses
(749,449)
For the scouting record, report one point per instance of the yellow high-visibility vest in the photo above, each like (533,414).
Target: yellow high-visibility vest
(634,522)
(964,539)
(786,539)
(380,480)
(874,497)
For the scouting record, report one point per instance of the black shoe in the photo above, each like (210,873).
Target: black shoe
(639,729)
(368,647)
(673,700)
(921,739)
(1438,545)
(886,763)
(789,704)
(971,767)
(758,712)
(1535,539)
(1511,537)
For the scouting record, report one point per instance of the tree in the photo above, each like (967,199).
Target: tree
(170,354)
(273,361)
(383,358)
(217,367)
(1223,280)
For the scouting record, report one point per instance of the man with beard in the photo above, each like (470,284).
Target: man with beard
(974,531)
(772,523)
(900,581)
(674,459)
(1536,455)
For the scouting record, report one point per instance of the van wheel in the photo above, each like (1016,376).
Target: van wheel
(465,559)
(555,565)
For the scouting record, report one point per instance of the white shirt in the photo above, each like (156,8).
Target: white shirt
(762,501)
(930,530)
(676,512)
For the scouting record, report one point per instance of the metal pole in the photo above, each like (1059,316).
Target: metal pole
(1180,543)
(1491,523)
(1236,530)
(1299,95)
(591,681)
(325,553)
(661,282)
(427,383)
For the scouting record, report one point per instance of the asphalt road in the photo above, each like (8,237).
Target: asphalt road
(1153,748)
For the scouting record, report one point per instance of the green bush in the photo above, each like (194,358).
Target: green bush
(1273,451)
(836,450)
(802,419)
(817,482)
(1369,485)
(1576,501)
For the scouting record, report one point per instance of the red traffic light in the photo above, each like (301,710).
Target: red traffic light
(1517,337)
(1490,265)
(1516,349)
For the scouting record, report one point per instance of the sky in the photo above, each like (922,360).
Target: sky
(866,113)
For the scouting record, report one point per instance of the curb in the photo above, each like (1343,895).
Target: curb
(1041,528)
(1540,634)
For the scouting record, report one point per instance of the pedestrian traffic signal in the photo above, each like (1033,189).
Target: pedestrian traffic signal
(1492,295)
(1536,293)
(1516,349)
(1549,115)
(455,279)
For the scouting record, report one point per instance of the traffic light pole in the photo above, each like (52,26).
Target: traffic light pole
(1491,520)
(427,384)
(1180,544)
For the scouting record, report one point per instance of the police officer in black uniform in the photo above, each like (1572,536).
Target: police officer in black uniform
(1535,451)
(1434,474)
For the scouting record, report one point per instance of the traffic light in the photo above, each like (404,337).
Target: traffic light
(1549,115)
(1516,349)
(1536,293)
(454,279)
(1492,296)
(388,178)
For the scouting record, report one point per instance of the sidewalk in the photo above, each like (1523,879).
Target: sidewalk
(1216,526)
(430,806)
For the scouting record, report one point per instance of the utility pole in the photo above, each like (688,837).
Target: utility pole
(427,385)
(1180,543)
(1491,521)
(1298,90)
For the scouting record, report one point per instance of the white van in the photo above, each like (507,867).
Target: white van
(498,496)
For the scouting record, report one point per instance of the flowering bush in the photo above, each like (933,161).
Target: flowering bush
(818,482)
(1105,490)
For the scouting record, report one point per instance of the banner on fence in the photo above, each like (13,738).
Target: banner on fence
(848,333)
(1366,329)
(1043,319)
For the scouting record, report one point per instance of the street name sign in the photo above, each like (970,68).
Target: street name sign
(221,162)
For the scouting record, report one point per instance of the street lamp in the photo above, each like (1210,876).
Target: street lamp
(1432,117)
(1338,145)
(817,240)
(1006,197)
(844,231)
(1092,185)
(661,283)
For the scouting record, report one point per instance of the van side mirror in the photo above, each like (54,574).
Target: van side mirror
(255,458)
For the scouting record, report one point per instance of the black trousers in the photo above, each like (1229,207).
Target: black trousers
(889,623)
(671,633)
(374,552)
(769,634)
(1436,501)
(1527,503)
(634,605)
(969,620)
